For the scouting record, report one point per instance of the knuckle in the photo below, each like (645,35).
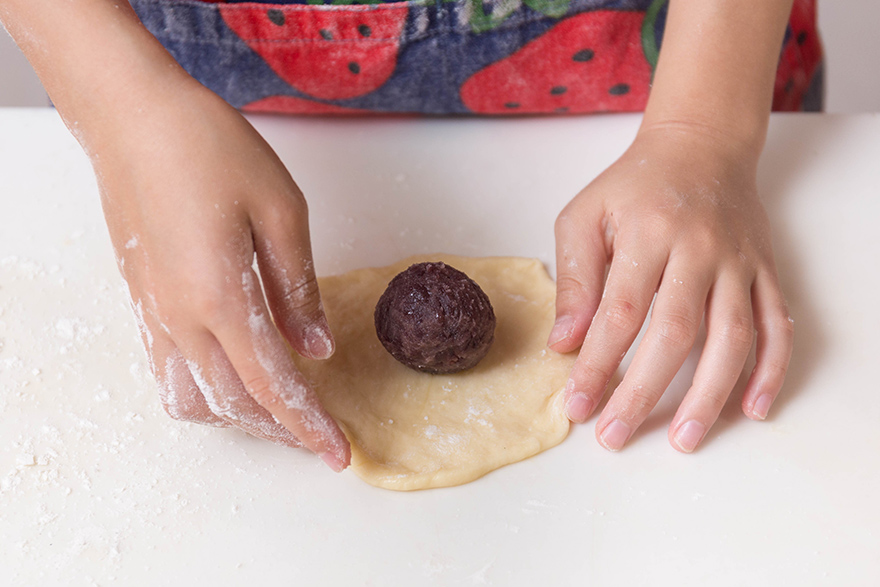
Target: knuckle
(738,332)
(565,219)
(656,227)
(776,369)
(622,315)
(221,301)
(677,330)
(259,387)
(784,325)
(303,294)
(569,281)
(639,400)
(575,295)
(297,201)
(713,399)
(184,413)
(290,210)
(220,405)
(183,407)
(210,304)
(171,407)
(703,240)
(561,223)
(594,378)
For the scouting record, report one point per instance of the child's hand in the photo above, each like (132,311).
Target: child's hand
(192,194)
(677,215)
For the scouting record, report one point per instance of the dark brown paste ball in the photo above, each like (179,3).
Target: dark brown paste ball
(434,318)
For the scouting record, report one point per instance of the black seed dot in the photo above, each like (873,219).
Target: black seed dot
(364,30)
(276,16)
(789,86)
(354,67)
(619,90)
(562,109)
(511,105)
(326,35)
(801,37)
(556,90)
(583,55)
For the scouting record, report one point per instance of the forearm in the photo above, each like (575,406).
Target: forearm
(95,59)
(717,69)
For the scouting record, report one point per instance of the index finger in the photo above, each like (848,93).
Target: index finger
(629,290)
(260,356)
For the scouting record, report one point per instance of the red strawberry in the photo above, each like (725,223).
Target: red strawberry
(589,62)
(326,53)
(800,58)
(293,105)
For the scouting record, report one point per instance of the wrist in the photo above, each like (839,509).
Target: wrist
(141,111)
(700,140)
(716,71)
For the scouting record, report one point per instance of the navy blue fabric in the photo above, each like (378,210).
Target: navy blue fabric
(442,45)
(436,33)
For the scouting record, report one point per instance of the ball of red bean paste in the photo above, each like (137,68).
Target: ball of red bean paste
(434,318)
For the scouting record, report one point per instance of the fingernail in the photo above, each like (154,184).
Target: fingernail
(615,435)
(762,406)
(578,407)
(561,330)
(319,342)
(333,461)
(689,435)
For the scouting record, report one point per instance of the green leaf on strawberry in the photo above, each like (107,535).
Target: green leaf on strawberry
(481,22)
(649,34)
(553,8)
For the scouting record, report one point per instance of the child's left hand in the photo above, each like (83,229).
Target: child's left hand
(677,216)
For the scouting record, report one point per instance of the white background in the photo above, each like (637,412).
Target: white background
(849,28)
(99,487)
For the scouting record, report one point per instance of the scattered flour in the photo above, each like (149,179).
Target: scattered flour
(91,463)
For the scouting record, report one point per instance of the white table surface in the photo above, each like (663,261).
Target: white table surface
(98,486)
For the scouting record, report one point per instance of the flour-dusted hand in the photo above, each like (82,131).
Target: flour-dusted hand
(192,196)
(677,216)
(190,204)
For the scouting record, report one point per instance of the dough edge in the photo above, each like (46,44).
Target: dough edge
(550,419)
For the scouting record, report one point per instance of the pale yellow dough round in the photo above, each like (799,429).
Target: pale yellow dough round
(411,430)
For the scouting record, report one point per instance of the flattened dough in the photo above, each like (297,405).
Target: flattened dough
(411,430)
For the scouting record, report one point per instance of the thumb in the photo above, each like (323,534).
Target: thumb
(580,274)
(284,256)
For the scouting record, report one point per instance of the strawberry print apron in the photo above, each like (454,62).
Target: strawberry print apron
(491,57)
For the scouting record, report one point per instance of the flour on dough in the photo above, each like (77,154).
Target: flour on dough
(412,430)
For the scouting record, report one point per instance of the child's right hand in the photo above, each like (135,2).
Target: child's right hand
(192,194)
